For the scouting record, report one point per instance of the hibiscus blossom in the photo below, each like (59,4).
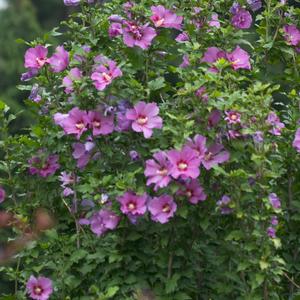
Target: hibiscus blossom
(157,170)
(144,117)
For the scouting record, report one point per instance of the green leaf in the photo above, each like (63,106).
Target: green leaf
(171,284)
(156,84)
(112,291)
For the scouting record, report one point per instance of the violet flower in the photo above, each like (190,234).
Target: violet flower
(162,17)
(39,288)
(144,117)
(59,61)
(136,35)
(162,208)
(184,163)
(157,170)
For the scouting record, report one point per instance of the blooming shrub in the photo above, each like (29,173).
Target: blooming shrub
(163,152)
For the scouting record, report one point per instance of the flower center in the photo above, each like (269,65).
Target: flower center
(106,77)
(233,117)
(182,166)
(208,156)
(38,290)
(142,120)
(131,206)
(80,125)
(166,208)
(96,124)
(159,22)
(40,61)
(162,172)
(189,193)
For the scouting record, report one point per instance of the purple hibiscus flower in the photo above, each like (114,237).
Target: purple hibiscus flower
(59,61)
(184,163)
(193,191)
(83,153)
(36,58)
(39,288)
(239,58)
(162,17)
(162,208)
(74,74)
(214,155)
(105,73)
(2,194)
(274,201)
(100,124)
(242,19)
(296,142)
(144,117)
(103,220)
(132,204)
(136,35)
(43,166)
(157,170)
(75,122)
(291,34)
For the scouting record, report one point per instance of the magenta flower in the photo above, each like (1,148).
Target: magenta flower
(198,144)
(232,117)
(100,124)
(185,61)
(140,36)
(105,74)
(76,122)
(39,288)
(214,22)
(224,203)
(185,163)
(72,2)
(59,61)
(2,194)
(162,208)
(162,17)
(132,204)
(239,58)
(242,19)
(182,37)
(201,94)
(144,117)
(215,155)
(43,166)
(212,55)
(291,34)
(296,142)
(158,170)
(115,29)
(193,191)
(255,4)
(214,118)
(274,121)
(274,221)
(36,58)
(74,74)
(66,178)
(29,74)
(123,124)
(103,220)
(274,201)
(271,232)
(83,153)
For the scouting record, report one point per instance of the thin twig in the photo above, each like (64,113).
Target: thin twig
(291,281)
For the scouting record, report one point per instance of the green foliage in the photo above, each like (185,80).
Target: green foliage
(200,253)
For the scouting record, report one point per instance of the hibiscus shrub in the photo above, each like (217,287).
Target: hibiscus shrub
(162,161)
